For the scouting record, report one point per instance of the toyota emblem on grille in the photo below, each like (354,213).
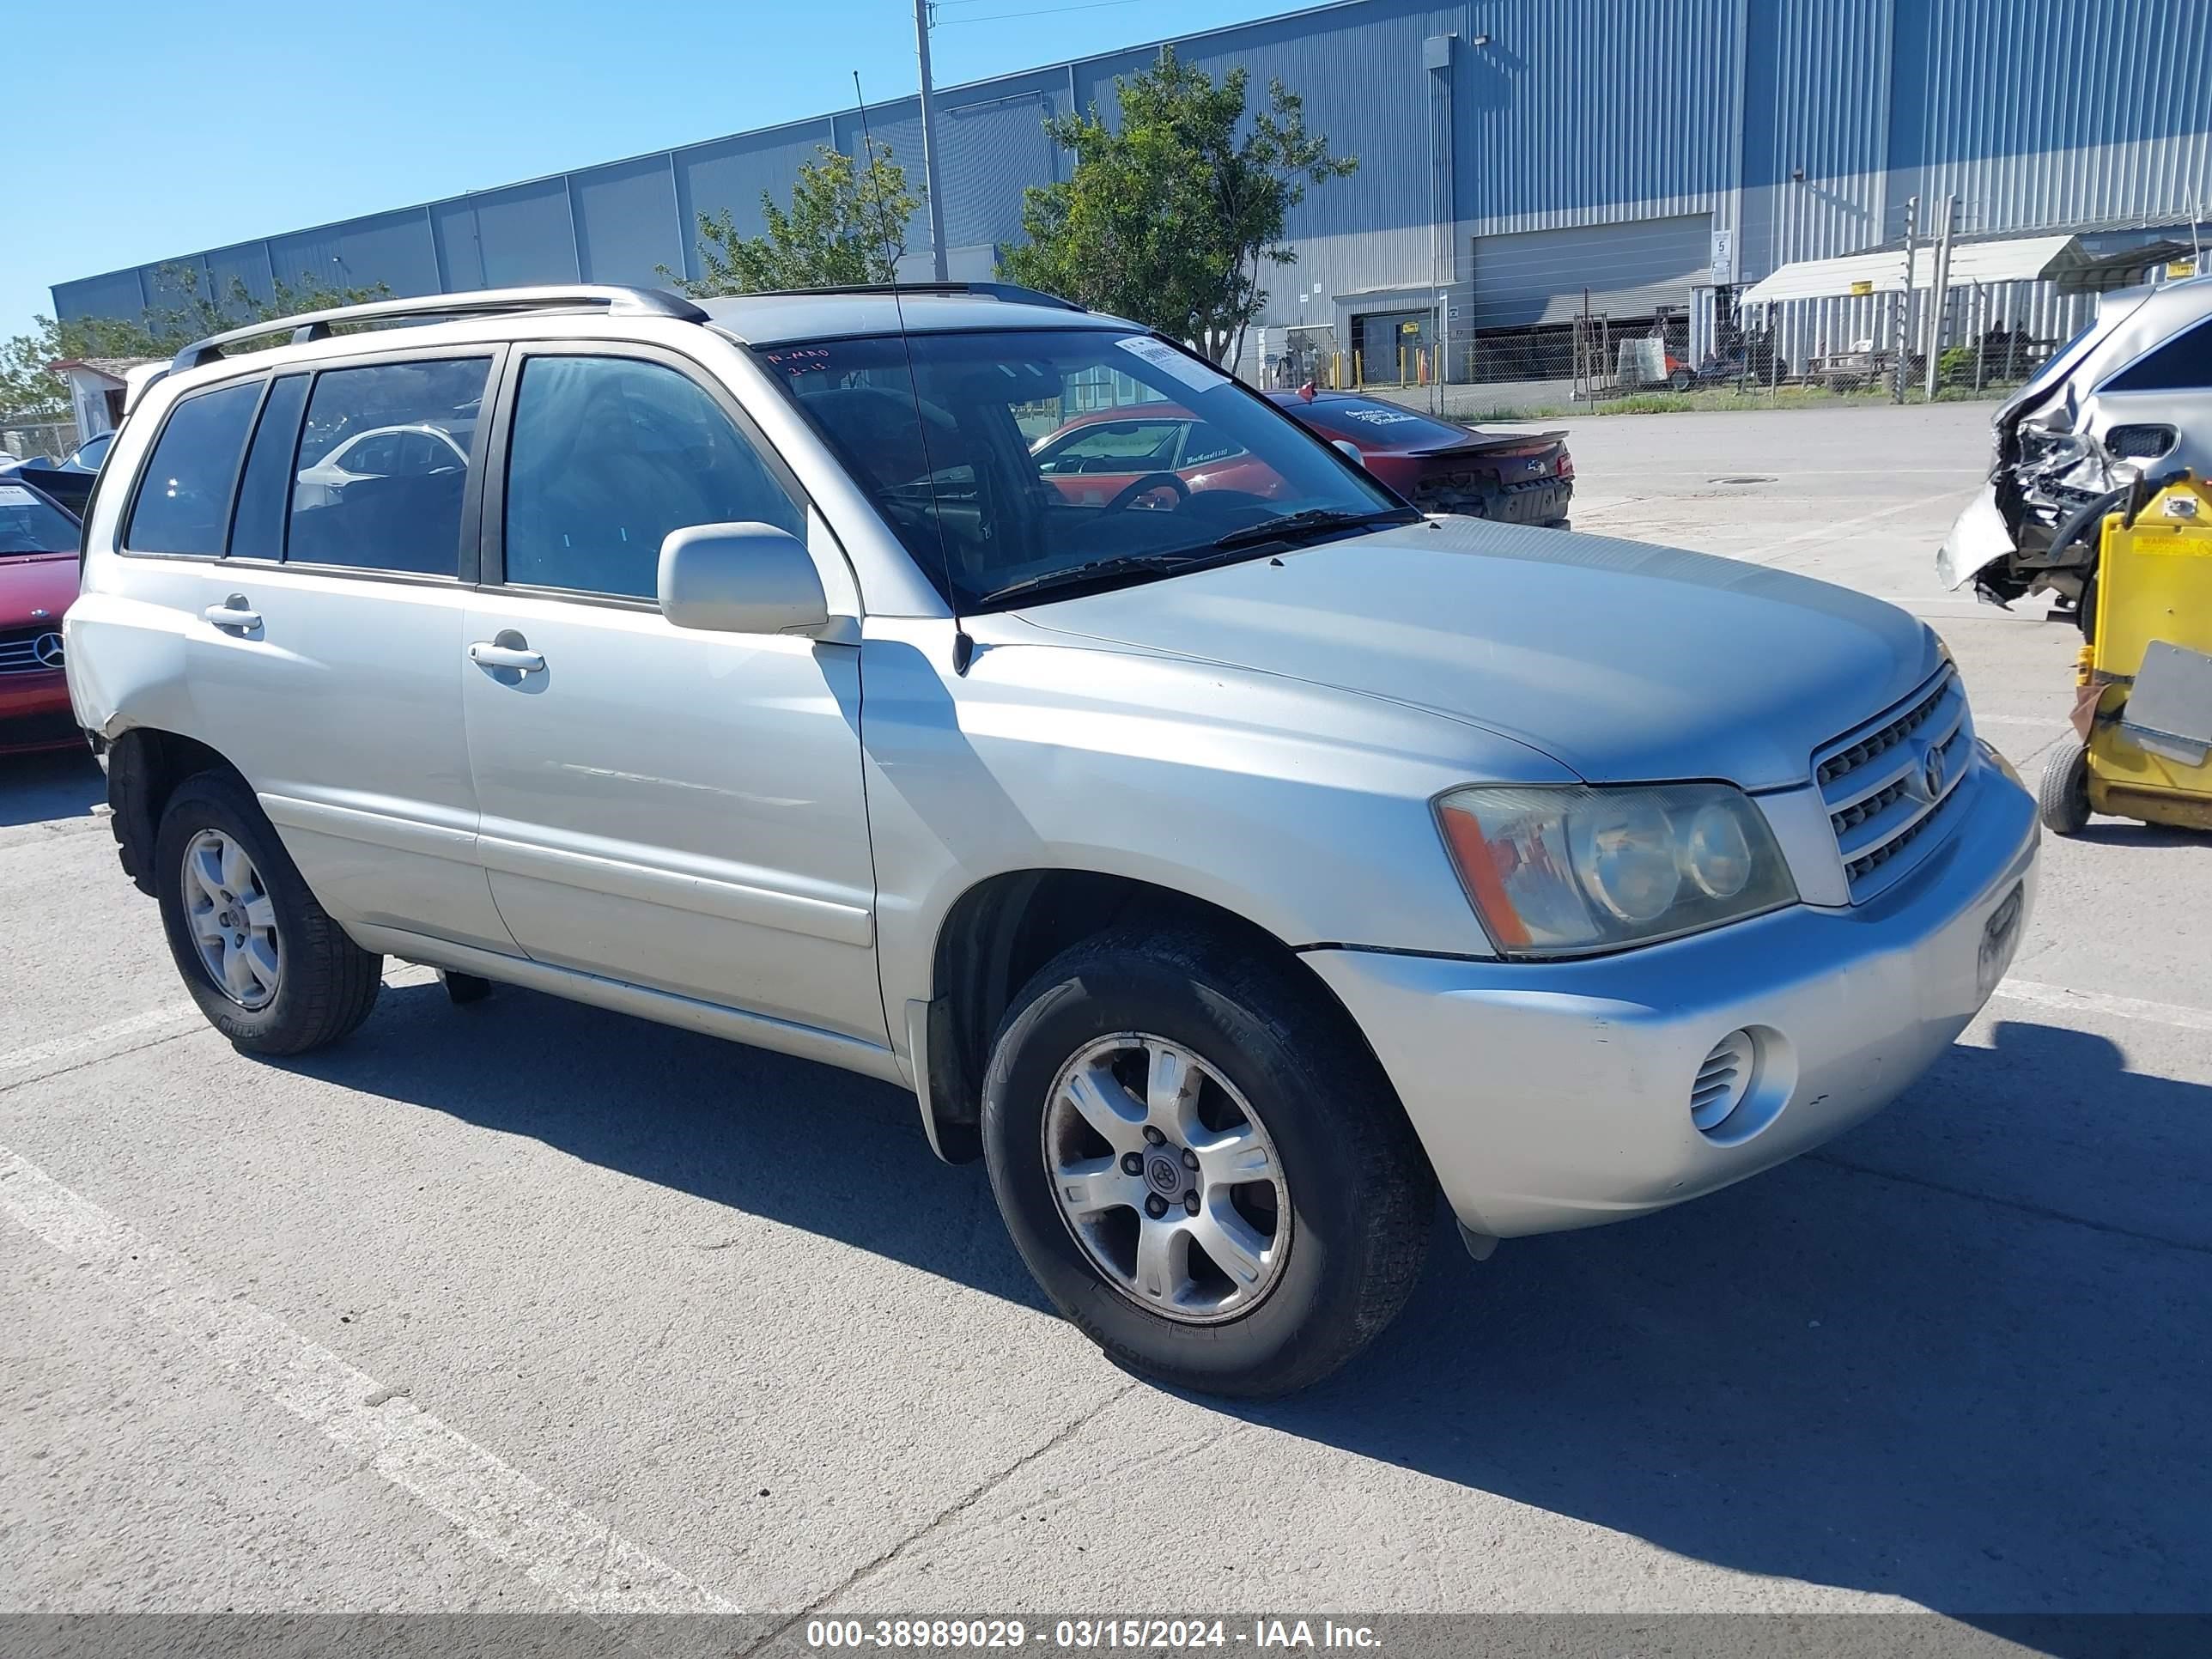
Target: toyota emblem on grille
(1931,773)
(48,649)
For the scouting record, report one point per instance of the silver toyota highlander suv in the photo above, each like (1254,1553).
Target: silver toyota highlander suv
(1228,855)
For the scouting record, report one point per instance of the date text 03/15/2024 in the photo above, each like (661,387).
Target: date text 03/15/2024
(1087,1634)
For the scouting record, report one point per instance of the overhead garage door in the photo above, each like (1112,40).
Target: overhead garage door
(1631,270)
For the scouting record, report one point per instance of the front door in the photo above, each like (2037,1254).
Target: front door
(674,809)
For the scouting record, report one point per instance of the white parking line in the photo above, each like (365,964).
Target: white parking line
(183,1015)
(2099,1002)
(555,1544)
(116,1030)
(1843,527)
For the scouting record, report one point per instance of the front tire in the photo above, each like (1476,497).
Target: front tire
(264,962)
(2062,800)
(1136,1062)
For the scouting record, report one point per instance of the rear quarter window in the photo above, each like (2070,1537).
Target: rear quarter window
(183,504)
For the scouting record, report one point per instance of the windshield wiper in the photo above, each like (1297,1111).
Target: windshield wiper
(1314,520)
(1288,526)
(1082,576)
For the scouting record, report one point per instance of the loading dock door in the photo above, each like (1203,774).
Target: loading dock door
(1390,346)
(1632,270)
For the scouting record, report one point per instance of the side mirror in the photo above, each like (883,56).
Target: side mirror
(740,579)
(1350,451)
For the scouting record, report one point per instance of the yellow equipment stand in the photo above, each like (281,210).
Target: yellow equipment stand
(2154,584)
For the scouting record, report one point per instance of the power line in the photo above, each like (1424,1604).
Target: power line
(1046,11)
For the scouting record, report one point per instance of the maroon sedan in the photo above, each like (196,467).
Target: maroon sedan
(38,580)
(1521,477)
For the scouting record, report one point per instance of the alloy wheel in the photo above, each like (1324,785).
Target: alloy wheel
(1167,1178)
(233,920)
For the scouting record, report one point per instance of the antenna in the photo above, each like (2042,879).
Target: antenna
(963,648)
(882,208)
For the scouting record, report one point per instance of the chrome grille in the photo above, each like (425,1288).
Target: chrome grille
(1875,781)
(18,649)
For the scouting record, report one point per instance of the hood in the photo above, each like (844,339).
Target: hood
(36,581)
(1625,663)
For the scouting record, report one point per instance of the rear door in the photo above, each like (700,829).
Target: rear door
(323,644)
(672,808)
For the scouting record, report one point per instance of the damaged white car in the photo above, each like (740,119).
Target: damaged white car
(2129,396)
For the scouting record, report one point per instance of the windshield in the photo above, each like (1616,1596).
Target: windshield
(30,524)
(1377,423)
(1010,459)
(2112,309)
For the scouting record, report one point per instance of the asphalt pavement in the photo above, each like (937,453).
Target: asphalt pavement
(528,1306)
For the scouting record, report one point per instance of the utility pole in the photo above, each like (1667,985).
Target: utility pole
(1905,306)
(1939,291)
(929,144)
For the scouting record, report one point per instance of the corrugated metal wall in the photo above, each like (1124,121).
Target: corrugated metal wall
(1584,114)
(1799,126)
(2052,112)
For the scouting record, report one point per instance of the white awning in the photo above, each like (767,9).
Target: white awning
(2013,259)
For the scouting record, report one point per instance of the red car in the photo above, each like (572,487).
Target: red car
(1096,458)
(1441,467)
(38,580)
(1521,477)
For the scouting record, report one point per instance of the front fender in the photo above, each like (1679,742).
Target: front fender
(1302,809)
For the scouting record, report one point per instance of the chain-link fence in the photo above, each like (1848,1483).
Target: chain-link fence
(1629,316)
(26,440)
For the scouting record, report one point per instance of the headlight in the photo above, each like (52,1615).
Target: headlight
(1559,871)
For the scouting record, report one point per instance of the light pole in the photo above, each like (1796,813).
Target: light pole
(929,145)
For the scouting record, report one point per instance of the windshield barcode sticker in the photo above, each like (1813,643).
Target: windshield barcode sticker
(1202,377)
(15,496)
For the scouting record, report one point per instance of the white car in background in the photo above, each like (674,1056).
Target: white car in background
(383,451)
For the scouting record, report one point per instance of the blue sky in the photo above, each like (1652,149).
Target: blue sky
(194,128)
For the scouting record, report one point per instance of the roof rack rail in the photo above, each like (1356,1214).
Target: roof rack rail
(1005,293)
(486,302)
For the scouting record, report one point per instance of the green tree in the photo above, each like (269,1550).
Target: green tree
(1171,218)
(29,390)
(847,223)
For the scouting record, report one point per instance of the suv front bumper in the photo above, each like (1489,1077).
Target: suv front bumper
(1557,1095)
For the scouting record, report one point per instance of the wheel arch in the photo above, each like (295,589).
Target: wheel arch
(996,935)
(145,765)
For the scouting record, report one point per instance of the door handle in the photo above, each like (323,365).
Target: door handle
(486,655)
(233,614)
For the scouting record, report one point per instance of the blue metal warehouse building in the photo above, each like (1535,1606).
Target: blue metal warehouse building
(1520,160)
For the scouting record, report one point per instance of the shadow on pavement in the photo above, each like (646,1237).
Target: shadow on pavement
(2127,832)
(62,783)
(1974,1378)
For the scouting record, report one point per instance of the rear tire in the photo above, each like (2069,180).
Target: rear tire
(2063,798)
(1342,1204)
(321,984)
(1681,379)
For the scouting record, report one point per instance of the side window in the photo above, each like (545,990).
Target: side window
(353,502)
(1117,446)
(2182,364)
(1206,443)
(257,531)
(610,454)
(184,500)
